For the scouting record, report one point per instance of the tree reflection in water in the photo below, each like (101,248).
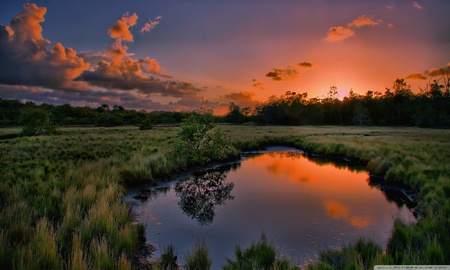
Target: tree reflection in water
(199,194)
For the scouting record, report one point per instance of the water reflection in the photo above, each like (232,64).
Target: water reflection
(339,211)
(199,194)
(304,205)
(146,194)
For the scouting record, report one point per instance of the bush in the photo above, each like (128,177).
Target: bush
(167,261)
(146,124)
(200,142)
(260,255)
(37,122)
(198,258)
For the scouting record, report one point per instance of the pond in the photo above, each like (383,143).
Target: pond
(303,205)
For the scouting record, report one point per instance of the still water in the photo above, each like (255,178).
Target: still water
(301,205)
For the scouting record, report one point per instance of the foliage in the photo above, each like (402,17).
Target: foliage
(37,122)
(104,115)
(198,258)
(360,255)
(260,255)
(167,261)
(429,108)
(200,142)
(146,124)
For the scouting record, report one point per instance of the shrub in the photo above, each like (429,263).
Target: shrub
(37,122)
(146,124)
(198,258)
(200,143)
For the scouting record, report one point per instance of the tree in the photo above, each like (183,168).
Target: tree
(146,124)
(234,114)
(200,142)
(361,116)
(37,121)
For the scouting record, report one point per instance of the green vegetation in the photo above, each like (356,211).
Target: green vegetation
(201,143)
(37,122)
(260,255)
(198,258)
(400,107)
(61,196)
(167,261)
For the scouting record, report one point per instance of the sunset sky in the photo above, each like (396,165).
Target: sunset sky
(182,55)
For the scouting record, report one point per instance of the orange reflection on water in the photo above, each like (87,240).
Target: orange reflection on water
(343,194)
(339,211)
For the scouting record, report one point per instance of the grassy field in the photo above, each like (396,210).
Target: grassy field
(61,196)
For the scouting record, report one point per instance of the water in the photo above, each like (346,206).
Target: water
(301,205)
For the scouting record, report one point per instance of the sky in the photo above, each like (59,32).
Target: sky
(183,55)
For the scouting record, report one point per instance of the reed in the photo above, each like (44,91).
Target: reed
(198,258)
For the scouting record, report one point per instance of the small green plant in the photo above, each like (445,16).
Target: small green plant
(167,261)
(260,255)
(198,258)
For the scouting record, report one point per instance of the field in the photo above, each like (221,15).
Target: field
(61,196)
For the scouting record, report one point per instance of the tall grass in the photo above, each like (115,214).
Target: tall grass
(198,258)
(61,202)
(260,255)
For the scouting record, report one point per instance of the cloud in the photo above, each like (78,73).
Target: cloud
(239,96)
(280,74)
(339,33)
(122,72)
(30,71)
(434,72)
(305,64)
(121,29)
(257,84)
(242,99)
(151,24)
(24,59)
(337,210)
(363,21)
(416,76)
(417,5)
(390,6)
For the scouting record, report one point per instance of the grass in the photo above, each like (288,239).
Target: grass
(260,255)
(61,200)
(198,258)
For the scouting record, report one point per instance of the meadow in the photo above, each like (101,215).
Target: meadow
(62,207)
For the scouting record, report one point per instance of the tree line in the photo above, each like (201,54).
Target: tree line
(398,106)
(14,112)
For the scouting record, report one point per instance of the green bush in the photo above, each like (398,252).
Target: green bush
(37,122)
(200,143)
(260,255)
(146,124)
(198,258)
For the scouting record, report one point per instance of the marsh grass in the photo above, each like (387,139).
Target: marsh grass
(260,255)
(65,192)
(198,258)
(167,261)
